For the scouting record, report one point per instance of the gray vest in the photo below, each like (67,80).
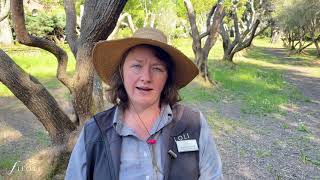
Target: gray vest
(103,146)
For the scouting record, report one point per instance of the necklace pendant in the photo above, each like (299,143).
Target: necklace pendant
(151,141)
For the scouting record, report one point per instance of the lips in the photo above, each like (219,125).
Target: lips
(144,88)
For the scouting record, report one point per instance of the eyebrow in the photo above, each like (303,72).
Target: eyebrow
(139,60)
(155,64)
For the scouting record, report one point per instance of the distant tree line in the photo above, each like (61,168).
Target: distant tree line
(299,21)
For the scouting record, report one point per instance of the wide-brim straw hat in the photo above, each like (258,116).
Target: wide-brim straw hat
(107,55)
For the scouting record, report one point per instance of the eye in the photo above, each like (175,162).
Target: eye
(159,69)
(136,66)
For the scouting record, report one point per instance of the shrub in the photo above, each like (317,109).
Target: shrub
(46,26)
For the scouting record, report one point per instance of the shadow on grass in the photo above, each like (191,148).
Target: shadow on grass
(262,90)
(282,56)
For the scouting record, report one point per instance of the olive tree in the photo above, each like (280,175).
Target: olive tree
(246,26)
(209,37)
(98,21)
(300,23)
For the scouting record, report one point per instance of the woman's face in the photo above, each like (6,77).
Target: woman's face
(144,77)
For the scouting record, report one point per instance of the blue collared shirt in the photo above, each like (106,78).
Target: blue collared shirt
(140,160)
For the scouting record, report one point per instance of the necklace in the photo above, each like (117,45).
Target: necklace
(149,141)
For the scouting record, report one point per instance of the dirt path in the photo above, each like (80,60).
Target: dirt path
(276,146)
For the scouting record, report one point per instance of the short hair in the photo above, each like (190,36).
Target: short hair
(117,94)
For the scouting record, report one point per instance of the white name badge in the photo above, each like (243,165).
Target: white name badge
(187,145)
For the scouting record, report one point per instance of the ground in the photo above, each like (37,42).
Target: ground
(282,145)
(274,146)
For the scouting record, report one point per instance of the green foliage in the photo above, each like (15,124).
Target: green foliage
(8,160)
(124,33)
(263,153)
(299,19)
(302,127)
(44,25)
(140,9)
(78,4)
(166,17)
(307,159)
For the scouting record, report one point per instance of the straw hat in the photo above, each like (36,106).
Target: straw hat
(107,55)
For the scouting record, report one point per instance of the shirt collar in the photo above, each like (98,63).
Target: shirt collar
(164,119)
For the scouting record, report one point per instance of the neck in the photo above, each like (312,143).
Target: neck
(152,109)
(140,118)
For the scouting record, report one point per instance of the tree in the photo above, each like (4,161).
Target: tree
(201,51)
(245,28)
(124,19)
(98,21)
(300,23)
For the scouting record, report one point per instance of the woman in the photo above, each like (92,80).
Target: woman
(146,135)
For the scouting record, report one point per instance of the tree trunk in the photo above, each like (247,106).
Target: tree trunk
(213,24)
(131,25)
(152,20)
(242,40)
(38,100)
(317,48)
(98,22)
(276,33)
(83,86)
(101,16)
(228,56)
(98,99)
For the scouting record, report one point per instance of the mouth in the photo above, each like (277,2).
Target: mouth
(144,88)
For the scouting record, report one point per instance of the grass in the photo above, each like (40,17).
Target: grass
(196,93)
(307,159)
(8,160)
(42,138)
(263,153)
(301,127)
(39,63)
(261,88)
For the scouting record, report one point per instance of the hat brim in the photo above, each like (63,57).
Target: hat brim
(107,56)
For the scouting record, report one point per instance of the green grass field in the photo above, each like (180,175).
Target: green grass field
(261,89)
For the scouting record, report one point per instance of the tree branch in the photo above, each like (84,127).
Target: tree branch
(196,43)
(252,14)
(24,38)
(248,42)
(116,28)
(4,9)
(37,99)
(99,19)
(71,25)
(215,26)
(224,35)
(204,34)
(236,23)
(131,25)
(210,16)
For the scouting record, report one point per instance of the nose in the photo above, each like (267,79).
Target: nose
(146,75)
